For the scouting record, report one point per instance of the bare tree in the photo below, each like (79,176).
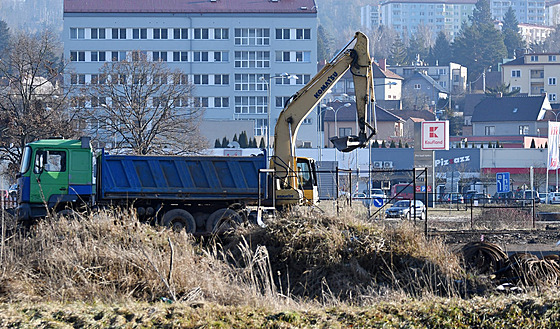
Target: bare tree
(414,99)
(33,104)
(145,107)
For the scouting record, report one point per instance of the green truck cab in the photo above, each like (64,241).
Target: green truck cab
(54,174)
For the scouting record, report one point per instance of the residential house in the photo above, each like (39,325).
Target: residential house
(342,121)
(511,116)
(452,77)
(234,52)
(534,74)
(422,92)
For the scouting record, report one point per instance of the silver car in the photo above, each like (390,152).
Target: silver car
(405,209)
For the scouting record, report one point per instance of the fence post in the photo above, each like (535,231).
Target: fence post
(533,209)
(337,192)
(471,201)
(426,200)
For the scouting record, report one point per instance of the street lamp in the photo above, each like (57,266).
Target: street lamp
(336,124)
(321,124)
(282,75)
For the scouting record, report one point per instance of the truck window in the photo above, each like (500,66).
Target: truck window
(50,161)
(304,175)
(25,160)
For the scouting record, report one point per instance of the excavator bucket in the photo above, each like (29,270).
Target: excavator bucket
(347,143)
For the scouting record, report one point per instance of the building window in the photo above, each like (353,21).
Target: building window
(200,79)
(344,132)
(516,73)
(201,101)
(180,56)
(200,56)
(303,34)
(221,34)
(523,130)
(181,79)
(251,104)
(221,102)
(281,101)
(139,33)
(201,34)
(250,82)
(489,130)
(159,56)
(293,56)
(282,34)
(98,33)
(552,58)
(180,33)
(77,79)
(534,58)
(307,121)
(417,86)
(221,79)
(117,56)
(118,33)
(441,71)
(252,37)
(221,56)
(160,34)
(98,56)
(252,59)
(552,97)
(77,33)
(77,56)
(552,81)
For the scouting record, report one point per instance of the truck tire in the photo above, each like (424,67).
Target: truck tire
(223,220)
(178,220)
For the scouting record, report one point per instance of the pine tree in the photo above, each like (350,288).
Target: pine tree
(392,145)
(235,139)
(383,145)
(533,146)
(479,45)
(243,141)
(498,144)
(376,144)
(217,144)
(406,145)
(417,48)
(441,51)
(325,44)
(225,142)
(510,31)
(261,144)
(400,144)
(489,144)
(398,52)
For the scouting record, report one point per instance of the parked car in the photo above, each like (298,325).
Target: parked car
(503,197)
(453,198)
(405,209)
(359,196)
(543,196)
(553,197)
(482,198)
(376,193)
(525,196)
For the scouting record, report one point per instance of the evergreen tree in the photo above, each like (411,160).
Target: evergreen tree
(261,144)
(217,144)
(546,145)
(533,146)
(398,52)
(383,145)
(498,144)
(376,144)
(441,51)
(225,142)
(417,48)
(400,144)
(406,145)
(253,143)
(510,31)
(235,139)
(243,140)
(392,145)
(4,36)
(489,144)
(502,89)
(325,44)
(479,45)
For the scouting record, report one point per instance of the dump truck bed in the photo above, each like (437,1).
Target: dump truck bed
(179,177)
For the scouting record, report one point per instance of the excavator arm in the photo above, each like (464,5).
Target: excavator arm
(358,61)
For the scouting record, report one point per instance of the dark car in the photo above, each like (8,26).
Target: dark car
(453,198)
(503,197)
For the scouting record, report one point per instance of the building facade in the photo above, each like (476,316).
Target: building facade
(452,77)
(530,12)
(534,74)
(233,52)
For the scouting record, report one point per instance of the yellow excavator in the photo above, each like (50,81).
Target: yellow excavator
(295,177)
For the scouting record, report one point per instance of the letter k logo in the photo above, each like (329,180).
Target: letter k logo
(433,132)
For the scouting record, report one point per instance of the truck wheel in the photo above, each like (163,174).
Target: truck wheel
(222,220)
(178,220)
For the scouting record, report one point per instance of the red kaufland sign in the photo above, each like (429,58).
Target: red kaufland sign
(435,135)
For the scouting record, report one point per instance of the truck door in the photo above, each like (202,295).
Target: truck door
(307,179)
(50,175)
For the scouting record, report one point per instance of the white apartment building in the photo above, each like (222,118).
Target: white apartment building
(534,74)
(526,11)
(232,51)
(534,33)
(406,15)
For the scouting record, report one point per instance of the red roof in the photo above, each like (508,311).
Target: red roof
(190,6)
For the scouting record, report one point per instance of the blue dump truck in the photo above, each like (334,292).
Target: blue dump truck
(195,193)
